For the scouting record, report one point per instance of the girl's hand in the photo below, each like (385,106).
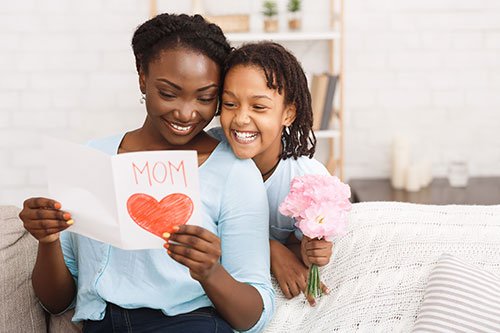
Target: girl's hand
(44,219)
(288,270)
(315,251)
(198,249)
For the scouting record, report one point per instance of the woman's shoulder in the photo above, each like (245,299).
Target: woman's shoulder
(225,160)
(223,167)
(217,133)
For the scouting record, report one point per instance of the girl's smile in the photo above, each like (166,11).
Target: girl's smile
(244,137)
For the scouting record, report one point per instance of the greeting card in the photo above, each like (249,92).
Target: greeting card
(127,200)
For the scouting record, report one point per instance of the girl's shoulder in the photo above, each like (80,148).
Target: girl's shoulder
(304,166)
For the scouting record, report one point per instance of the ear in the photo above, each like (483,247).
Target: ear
(289,115)
(142,81)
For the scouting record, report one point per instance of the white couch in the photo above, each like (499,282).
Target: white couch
(377,274)
(379,270)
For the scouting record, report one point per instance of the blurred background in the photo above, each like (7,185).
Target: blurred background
(422,75)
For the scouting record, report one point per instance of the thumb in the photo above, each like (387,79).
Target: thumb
(324,289)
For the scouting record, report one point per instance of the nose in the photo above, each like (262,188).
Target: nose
(242,117)
(185,113)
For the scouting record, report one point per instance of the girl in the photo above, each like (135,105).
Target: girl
(266,115)
(214,277)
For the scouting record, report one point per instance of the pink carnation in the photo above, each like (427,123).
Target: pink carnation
(319,204)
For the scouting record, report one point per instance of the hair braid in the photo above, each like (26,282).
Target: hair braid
(170,30)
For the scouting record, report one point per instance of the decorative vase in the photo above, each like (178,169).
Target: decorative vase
(294,20)
(271,24)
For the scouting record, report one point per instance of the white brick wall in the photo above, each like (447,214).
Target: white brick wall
(430,69)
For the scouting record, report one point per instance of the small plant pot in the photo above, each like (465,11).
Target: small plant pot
(271,24)
(295,21)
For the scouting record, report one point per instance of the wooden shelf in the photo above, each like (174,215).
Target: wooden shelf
(321,134)
(479,191)
(283,36)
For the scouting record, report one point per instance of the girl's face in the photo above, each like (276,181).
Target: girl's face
(181,89)
(253,115)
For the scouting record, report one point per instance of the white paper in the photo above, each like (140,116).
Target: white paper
(115,198)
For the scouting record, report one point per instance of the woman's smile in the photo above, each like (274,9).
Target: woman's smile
(180,128)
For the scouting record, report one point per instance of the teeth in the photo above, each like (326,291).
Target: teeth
(181,128)
(245,136)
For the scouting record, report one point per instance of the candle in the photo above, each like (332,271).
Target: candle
(425,173)
(400,162)
(413,178)
(197,7)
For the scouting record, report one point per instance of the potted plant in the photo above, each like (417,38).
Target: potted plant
(294,14)
(270,13)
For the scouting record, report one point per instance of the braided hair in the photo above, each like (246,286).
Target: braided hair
(167,31)
(284,74)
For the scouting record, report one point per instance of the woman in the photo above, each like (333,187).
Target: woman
(214,277)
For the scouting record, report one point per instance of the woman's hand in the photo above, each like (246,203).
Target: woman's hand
(44,219)
(315,251)
(196,248)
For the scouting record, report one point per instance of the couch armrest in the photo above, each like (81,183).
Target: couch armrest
(19,309)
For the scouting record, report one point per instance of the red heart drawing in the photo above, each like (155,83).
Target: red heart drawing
(159,217)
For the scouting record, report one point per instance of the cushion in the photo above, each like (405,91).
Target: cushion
(460,297)
(19,309)
(379,270)
(63,323)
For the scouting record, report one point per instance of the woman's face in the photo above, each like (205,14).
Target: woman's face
(252,114)
(181,89)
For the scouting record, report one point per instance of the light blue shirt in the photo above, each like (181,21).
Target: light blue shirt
(234,208)
(278,187)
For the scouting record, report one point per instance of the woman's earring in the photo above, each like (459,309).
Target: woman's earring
(143,98)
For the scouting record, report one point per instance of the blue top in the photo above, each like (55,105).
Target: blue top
(234,208)
(278,186)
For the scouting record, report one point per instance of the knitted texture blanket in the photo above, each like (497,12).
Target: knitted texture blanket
(379,269)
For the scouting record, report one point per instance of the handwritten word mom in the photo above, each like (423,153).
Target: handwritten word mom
(160,173)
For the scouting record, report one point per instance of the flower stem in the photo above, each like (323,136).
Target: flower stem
(314,282)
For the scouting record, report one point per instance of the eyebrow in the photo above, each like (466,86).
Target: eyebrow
(254,96)
(212,85)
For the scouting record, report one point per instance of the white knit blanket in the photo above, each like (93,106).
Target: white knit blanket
(379,269)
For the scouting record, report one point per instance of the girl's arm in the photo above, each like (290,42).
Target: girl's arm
(52,281)
(288,270)
(293,244)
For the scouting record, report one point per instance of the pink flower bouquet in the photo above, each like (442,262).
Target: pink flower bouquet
(320,205)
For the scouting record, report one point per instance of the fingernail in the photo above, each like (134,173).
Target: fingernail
(57,205)
(168,251)
(66,216)
(166,235)
(70,222)
(166,245)
(176,228)
(327,291)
